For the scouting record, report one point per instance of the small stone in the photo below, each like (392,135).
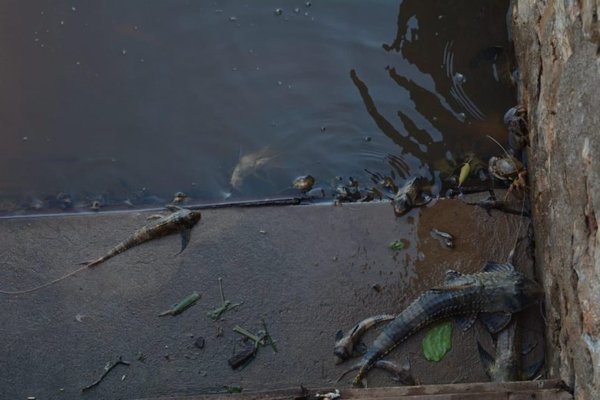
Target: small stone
(376,287)
(199,343)
(278,11)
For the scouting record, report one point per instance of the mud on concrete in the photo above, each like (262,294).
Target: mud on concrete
(308,271)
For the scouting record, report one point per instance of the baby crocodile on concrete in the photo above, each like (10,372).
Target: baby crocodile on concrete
(493,295)
(181,220)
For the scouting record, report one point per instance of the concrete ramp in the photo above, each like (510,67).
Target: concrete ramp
(307,271)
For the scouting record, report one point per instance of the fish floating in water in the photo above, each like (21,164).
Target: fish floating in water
(250,164)
(181,220)
(492,295)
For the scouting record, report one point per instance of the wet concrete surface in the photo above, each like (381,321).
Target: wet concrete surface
(306,270)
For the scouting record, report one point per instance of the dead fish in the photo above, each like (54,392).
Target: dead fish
(248,165)
(409,196)
(492,295)
(181,220)
(346,344)
(445,236)
(506,365)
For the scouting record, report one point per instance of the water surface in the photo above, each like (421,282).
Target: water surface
(129,102)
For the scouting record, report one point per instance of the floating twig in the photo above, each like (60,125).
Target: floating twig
(183,305)
(107,369)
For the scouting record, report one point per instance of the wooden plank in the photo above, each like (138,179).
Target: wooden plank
(545,390)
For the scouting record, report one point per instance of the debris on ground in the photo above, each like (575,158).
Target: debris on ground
(233,389)
(183,305)
(254,341)
(243,356)
(107,368)
(329,396)
(199,343)
(226,304)
(398,245)
(446,238)
(438,341)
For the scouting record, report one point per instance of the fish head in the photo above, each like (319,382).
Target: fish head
(343,348)
(194,217)
(401,204)
(511,292)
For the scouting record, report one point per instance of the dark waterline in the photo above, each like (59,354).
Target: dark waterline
(129,102)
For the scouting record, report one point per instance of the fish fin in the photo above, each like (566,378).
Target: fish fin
(400,374)
(531,371)
(465,323)
(491,266)
(452,275)
(352,368)
(186,235)
(339,335)
(496,321)
(360,348)
(424,200)
(486,360)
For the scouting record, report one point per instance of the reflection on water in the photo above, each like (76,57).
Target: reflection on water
(126,103)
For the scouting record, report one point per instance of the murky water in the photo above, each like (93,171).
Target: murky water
(126,103)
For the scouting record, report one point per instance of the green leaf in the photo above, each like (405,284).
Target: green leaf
(438,341)
(397,245)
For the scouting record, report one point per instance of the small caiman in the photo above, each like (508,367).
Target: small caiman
(181,220)
(493,295)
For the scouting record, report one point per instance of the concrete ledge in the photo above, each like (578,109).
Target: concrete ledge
(306,270)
